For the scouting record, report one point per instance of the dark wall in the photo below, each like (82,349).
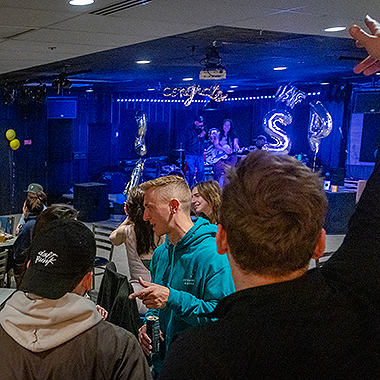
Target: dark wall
(90,146)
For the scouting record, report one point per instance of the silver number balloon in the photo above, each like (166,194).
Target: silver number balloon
(140,147)
(320,125)
(273,124)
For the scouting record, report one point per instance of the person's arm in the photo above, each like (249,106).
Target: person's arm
(132,365)
(21,245)
(117,237)
(371,42)
(225,149)
(21,222)
(356,264)
(202,133)
(236,143)
(184,304)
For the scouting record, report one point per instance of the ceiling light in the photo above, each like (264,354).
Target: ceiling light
(143,62)
(279,68)
(81,2)
(187,79)
(335,29)
(234,86)
(230,91)
(324,83)
(151,89)
(90,90)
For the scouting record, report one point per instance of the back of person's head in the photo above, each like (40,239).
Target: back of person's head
(61,255)
(143,229)
(169,187)
(35,203)
(135,204)
(38,194)
(211,192)
(54,212)
(273,211)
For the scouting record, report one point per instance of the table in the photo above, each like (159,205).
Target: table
(7,243)
(5,294)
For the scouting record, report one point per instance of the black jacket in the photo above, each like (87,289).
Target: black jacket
(323,325)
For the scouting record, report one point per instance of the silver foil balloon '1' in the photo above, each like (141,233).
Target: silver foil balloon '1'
(140,147)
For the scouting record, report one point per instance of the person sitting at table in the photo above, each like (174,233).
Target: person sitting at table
(33,206)
(32,191)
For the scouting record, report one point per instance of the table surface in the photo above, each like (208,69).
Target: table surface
(5,293)
(8,243)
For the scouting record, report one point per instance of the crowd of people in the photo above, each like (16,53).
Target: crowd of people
(233,300)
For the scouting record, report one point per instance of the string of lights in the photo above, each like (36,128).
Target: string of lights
(246,98)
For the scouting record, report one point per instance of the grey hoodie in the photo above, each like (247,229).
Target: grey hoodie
(42,324)
(64,339)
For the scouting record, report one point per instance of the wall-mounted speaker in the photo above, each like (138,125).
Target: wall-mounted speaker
(61,108)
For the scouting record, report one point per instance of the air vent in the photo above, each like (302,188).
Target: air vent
(118,7)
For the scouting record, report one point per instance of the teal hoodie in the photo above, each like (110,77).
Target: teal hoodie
(197,276)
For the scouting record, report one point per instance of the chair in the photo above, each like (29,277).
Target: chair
(3,266)
(113,295)
(104,247)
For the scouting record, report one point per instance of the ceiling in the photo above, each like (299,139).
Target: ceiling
(98,45)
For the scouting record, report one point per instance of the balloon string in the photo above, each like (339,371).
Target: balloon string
(314,161)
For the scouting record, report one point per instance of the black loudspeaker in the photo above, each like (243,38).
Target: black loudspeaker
(91,200)
(61,108)
(341,207)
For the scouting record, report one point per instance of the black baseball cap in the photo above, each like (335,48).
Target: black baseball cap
(60,256)
(199,119)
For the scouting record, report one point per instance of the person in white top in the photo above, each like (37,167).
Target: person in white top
(139,239)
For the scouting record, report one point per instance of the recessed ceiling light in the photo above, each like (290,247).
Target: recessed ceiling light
(234,86)
(151,89)
(187,79)
(81,2)
(89,90)
(279,68)
(335,29)
(324,83)
(230,91)
(143,62)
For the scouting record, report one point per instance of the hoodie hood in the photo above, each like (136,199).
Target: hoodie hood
(42,324)
(201,230)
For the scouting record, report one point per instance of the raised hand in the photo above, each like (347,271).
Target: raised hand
(371,42)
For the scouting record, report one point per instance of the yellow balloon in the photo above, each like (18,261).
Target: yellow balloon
(10,134)
(14,144)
